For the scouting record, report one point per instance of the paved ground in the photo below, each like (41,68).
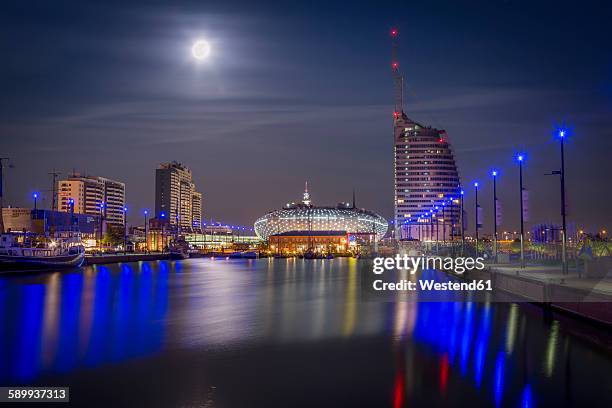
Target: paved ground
(553,274)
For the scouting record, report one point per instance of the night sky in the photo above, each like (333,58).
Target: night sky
(304,92)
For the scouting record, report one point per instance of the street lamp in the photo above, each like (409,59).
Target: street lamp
(462,224)
(476,216)
(443,222)
(163,223)
(494,174)
(125,230)
(562,134)
(520,158)
(101,205)
(146,225)
(35,197)
(71,204)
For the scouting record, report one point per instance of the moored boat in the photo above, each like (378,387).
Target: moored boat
(32,252)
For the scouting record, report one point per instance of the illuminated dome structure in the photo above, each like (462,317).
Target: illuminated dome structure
(306,217)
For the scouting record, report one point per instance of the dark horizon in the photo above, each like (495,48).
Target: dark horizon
(294,93)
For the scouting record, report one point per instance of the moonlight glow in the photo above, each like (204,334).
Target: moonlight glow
(200,49)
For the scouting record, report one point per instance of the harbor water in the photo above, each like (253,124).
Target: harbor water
(284,333)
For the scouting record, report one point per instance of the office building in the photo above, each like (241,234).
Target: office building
(176,198)
(89,193)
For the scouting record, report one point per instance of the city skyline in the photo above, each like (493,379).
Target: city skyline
(252,130)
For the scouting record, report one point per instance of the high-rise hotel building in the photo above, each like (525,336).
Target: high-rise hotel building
(176,198)
(89,193)
(425,175)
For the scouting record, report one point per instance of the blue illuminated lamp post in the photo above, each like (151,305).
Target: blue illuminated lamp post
(71,204)
(462,224)
(35,197)
(437,209)
(494,174)
(101,223)
(431,225)
(125,230)
(476,216)
(146,226)
(520,158)
(562,134)
(162,215)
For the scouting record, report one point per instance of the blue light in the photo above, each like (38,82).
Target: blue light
(498,382)
(35,195)
(162,215)
(476,184)
(124,209)
(520,157)
(462,192)
(494,173)
(526,400)
(562,133)
(146,212)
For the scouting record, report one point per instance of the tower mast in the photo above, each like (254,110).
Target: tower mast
(398,78)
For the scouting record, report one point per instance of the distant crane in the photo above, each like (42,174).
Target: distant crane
(54,175)
(2,160)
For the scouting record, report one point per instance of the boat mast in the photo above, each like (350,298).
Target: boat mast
(2,160)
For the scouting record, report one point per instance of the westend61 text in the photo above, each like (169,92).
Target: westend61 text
(413,263)
(429,285)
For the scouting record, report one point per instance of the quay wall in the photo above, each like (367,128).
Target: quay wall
(584,303)
(107,259)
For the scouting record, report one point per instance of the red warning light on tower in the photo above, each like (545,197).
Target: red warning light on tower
(393,32)
(394,65)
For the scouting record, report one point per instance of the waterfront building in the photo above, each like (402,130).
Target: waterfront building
(304,217)
(424,171)
(425,174)
(293,242)
(88,193)
(41,221)
(196,211)
(176,198)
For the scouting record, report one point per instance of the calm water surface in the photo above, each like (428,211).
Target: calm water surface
(286,333)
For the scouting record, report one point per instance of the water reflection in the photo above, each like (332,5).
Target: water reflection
(61,322)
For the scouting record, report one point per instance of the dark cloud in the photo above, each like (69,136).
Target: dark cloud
(303,91)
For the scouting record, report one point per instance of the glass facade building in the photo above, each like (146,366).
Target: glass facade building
(425,176)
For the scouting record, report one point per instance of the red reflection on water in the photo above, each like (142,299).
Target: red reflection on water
(443,372)
(398,389)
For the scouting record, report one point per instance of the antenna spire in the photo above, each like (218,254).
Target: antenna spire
(306,199)
(398,78)
(354,199)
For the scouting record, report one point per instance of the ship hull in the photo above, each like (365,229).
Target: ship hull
(11,262)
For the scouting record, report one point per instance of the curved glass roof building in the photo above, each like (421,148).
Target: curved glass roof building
(306,217)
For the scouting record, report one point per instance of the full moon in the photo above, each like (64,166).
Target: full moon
(200,49)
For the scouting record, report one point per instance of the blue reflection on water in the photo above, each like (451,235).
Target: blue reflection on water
(62,322)
(27,359)
(80,319)
(499,377)
(526,402)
